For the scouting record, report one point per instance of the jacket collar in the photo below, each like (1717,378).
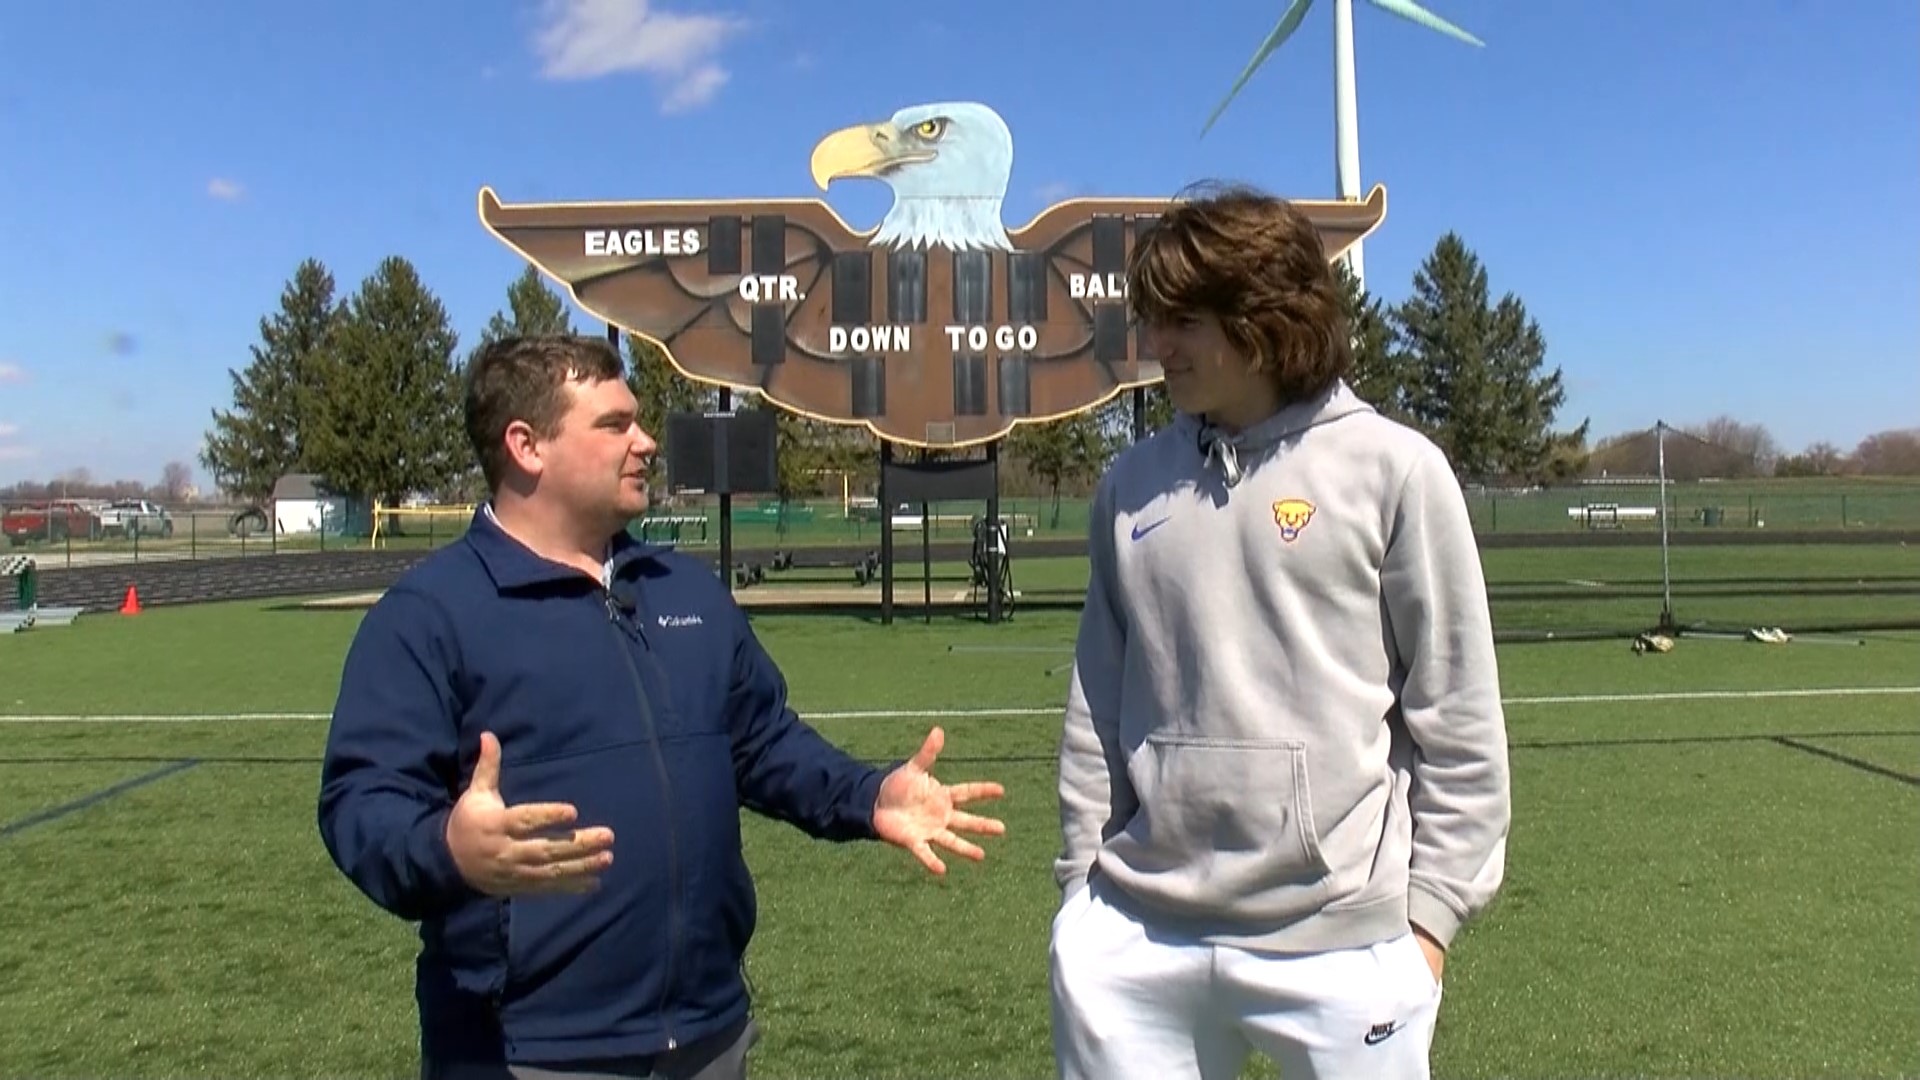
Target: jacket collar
(514,565)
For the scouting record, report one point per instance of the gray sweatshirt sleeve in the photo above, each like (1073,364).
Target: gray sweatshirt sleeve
(1450,701)
(1096,797)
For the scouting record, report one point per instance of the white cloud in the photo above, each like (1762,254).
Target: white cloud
(588,39)
(695,89)
(12,373)
(18,453)
(8,431)
(225,190)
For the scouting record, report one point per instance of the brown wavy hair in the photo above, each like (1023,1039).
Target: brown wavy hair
(1255,262)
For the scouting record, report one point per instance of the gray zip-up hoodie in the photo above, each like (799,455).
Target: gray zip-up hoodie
(1284,729)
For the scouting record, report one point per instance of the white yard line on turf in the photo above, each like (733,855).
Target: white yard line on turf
(1046,710)
(1707,695)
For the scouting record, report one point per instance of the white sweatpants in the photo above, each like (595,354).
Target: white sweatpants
(1129,1002)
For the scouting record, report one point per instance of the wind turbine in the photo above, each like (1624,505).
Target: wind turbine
(1346,113)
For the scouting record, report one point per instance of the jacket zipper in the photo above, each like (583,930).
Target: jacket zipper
(666,789)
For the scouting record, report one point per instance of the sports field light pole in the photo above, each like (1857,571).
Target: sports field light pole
(1666,573)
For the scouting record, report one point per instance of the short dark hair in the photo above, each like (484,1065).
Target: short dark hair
(520,378)
(1254,261)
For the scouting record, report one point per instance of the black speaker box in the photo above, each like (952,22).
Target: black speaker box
(723,453)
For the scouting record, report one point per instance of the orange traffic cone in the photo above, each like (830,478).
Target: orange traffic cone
(131,605)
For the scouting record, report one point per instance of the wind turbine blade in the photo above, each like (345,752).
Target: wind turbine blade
(1282,30)
(1413,12)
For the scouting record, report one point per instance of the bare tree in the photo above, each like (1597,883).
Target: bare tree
(1752,442)
(175,479)
(1889,453)
(1819,459)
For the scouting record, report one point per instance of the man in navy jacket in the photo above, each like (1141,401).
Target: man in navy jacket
(544,735)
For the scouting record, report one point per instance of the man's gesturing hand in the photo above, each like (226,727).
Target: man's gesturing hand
(915,811)
(507,850)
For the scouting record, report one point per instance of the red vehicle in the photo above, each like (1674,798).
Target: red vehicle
(54,522)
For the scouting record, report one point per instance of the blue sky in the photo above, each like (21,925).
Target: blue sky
(1710,206)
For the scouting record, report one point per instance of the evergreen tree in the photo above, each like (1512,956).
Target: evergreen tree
(1382,374)
(1477,383)
(534,310)
(661,391)
(387,420)
(262,438)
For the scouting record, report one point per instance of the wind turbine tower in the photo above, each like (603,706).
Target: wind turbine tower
(1346,109)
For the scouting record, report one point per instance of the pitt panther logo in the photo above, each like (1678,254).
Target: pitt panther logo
(1292,516)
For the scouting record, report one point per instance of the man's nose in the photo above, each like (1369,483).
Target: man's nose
(643,444)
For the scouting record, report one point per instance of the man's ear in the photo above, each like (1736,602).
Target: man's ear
(523,447)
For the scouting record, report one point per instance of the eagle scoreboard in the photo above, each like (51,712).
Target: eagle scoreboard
(937,328)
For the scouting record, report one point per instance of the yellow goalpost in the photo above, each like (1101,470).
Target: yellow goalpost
(427,525)
(846,486)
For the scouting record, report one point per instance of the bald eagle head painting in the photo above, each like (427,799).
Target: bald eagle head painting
(948,165)
(939,326)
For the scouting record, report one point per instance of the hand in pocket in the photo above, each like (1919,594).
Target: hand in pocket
(1430,949)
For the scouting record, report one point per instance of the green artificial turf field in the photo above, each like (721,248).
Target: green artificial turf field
(1712,871)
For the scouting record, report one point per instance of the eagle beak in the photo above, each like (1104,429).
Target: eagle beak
(862,150)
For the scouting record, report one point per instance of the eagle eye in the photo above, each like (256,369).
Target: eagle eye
(931,130)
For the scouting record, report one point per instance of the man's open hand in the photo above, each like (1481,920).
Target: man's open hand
(506,851)
(915,811)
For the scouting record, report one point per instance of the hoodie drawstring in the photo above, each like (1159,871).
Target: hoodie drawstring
(1222,454)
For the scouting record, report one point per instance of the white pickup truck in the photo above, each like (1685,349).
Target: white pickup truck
(135,517)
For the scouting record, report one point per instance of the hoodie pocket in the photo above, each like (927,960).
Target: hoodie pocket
(1224,822)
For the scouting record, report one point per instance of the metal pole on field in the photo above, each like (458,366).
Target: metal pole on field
(1666,577)
(994,569)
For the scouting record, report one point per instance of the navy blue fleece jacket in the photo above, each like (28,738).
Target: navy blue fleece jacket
(648,704)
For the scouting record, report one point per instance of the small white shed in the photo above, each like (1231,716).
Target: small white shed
(302,503)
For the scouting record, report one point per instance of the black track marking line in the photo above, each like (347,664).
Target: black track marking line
(1863,766)
(57,812)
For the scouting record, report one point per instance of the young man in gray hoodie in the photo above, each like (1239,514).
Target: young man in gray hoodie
(1283,775)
